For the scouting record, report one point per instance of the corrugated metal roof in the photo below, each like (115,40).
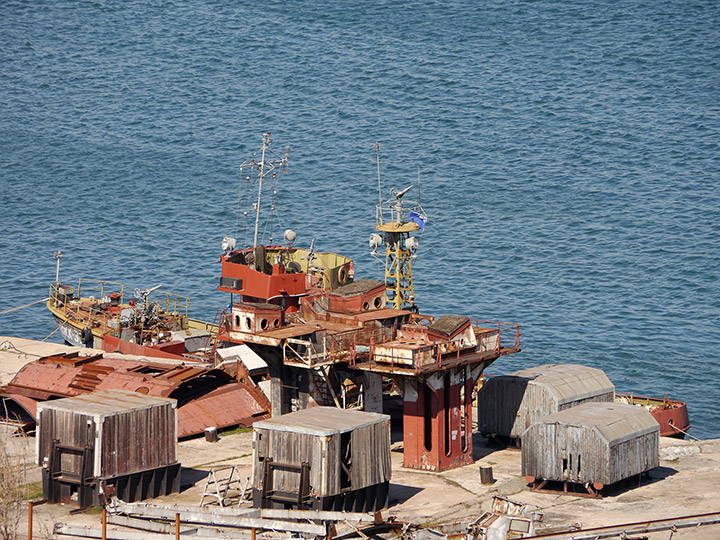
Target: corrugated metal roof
(106,402)
(616,422)
(323,421)
(568,382)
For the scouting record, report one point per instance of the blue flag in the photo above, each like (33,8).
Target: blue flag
(417,218)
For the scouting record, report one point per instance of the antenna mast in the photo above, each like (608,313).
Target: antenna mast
(266,142)
(376,146)
(396,222)
(264,168)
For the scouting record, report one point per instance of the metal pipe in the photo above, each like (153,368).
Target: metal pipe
(635,528)
(30,520)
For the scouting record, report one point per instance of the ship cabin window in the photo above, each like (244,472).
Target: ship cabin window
(377,302)
(237,321)
(248,323)
(263,324)
(366,306)
(276,323)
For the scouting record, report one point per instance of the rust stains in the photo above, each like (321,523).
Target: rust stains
(211,396)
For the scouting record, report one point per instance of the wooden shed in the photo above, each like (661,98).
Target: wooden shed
(110,438)
(597,444)
(322,458)
(509,404)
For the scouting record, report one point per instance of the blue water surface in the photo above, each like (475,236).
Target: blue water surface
(568,157)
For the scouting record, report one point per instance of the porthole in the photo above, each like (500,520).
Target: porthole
(276,323)
(263,324)
(366,306)
(377,302)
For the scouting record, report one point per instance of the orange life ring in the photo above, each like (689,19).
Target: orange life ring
(342,275)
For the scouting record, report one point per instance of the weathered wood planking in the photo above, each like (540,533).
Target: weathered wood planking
(592,443)
(511,403)
(325,437)
(129,432)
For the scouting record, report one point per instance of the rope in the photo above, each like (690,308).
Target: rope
(683,432)
(51,333)
(8,345)
(26,305)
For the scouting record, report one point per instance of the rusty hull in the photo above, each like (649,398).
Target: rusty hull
(210,396)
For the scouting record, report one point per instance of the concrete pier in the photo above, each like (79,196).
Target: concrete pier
(687,482)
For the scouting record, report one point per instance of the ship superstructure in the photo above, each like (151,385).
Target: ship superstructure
(329,339)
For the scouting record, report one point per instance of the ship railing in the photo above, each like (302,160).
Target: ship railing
(86,315)
(391,212)
(99,289)
(508,333)
(171,302)
(360,345)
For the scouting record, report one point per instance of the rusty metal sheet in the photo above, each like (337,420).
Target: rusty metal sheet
(219,404)
(18,410)
(227,406)
(112,344)
(381,314)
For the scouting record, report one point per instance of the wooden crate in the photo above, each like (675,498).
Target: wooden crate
(344,452)
(112,436)
(511,403)
(593,443)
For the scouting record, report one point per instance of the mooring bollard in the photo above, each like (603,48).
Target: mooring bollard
(486,474)
(211,434)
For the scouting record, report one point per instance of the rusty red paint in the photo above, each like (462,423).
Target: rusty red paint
(210,395)
(230,405)
(172,350)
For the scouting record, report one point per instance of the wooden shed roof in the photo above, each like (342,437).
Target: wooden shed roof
(106,403)
(568,382)
(615,422)
(322,421)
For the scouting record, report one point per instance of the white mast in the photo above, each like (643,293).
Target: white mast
(266,142)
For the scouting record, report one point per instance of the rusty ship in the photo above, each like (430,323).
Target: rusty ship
(314,334)
(301,330)
(97,314)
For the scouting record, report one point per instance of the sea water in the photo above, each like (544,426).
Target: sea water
(567,155)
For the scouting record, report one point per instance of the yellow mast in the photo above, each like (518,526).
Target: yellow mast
(400,248)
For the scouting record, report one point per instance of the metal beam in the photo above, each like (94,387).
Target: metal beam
(218,517)
(317,515)
(635,528)
(66,531)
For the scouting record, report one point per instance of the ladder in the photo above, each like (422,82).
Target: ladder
(220,481)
